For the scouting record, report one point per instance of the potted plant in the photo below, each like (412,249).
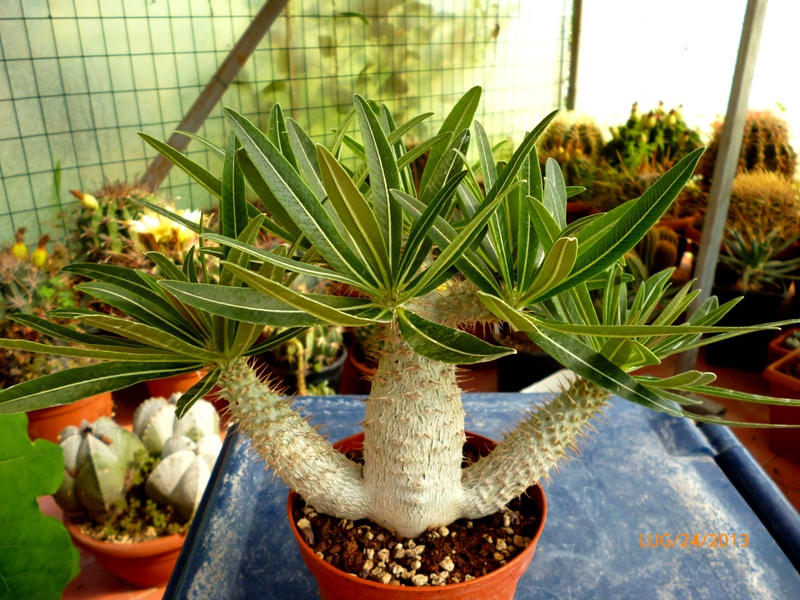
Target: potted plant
(128,497)
(31,286)
(784,379)
(312,359)
(518,262)
(751,270)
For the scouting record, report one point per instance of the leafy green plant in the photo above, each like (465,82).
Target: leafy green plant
(754,259)
(37,559)
(396,245)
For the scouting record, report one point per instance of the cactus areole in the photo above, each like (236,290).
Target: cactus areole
(427,261)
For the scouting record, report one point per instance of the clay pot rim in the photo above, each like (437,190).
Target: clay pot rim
(156,546)
(61,409)
(775,375)
(777,343)
(498,573)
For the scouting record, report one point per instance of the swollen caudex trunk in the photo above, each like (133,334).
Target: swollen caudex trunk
(412,478)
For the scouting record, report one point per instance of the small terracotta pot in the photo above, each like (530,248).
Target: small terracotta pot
(177,383)
(47,423)
(145,564)
(785,442)
(776,348)
(500,584)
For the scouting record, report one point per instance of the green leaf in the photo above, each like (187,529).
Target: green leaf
(682,380)
(295,196)
(305,152)
(356,216)
(465,238)
(338,136)
(249,305)
(233,203)
(279,136)
(216,150)
(555,268)
(169,270)
(304,302)
(632,226)
(383,177)
(545,225)
(239,257)
(448,166)
(147,335)
(139,308)
(281,224)
(398,148)
(443,234)
(62,332)
(488,166)
(139,355)
(187,165)
(558,192)
(190,225)
(282,261)
(445,344)
(37,558)
(355,15)
(459,119)
(419,231)
(196,392)
(275,341)
(77,383)
(112,274)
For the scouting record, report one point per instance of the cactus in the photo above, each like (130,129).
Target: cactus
(320,346)
(766,200)
(576,142)
(765,146)
(154,422)
(658,137)
(98,459)
(180,479)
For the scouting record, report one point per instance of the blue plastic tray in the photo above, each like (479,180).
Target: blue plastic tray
(640,474)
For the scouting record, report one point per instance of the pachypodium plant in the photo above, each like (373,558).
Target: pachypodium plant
(396,245)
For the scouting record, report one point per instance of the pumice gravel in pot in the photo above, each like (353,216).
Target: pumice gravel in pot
(507,254)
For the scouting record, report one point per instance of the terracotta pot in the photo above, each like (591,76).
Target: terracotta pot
(47,423)
(785,442)
(776,348)
(145,564)
(356,376)
(177,383)
(500,584)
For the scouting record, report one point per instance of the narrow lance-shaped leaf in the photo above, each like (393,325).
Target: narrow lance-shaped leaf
(233,203)
(556,266)
(632,226)
(281,224)
(305,152)
(389,125)
(120,355)
(336,141)
(384,177)
(196,392)
(356,216)
(68,334)
(77,383)
(295,196)
(200,174)
(445,344)
(555,177)
(456,121)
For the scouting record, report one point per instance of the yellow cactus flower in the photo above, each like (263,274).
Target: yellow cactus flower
(40,256)
(19,249)
(88,201)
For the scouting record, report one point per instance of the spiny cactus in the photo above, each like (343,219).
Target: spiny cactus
(576,143)
(180,479)
(97,460)
(764,199)
(318,347)
(765,146)
(659,136)
(154,422)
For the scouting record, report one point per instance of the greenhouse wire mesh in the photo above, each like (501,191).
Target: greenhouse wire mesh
(79,78)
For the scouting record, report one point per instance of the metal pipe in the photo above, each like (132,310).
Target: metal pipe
(727,162)
(158,170)
(574,52)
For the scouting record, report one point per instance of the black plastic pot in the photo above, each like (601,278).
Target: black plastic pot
(745,352)
(332,374)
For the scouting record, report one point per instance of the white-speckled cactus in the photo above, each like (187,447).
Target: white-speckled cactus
(154,422)
(97,460)
(373,230)
(180,479)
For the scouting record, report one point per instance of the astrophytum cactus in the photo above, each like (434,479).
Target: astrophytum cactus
(97,460)
(154,422)
(180,478)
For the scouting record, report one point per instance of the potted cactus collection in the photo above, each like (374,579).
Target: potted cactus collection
(31,286)
(506,253)
(128,497)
